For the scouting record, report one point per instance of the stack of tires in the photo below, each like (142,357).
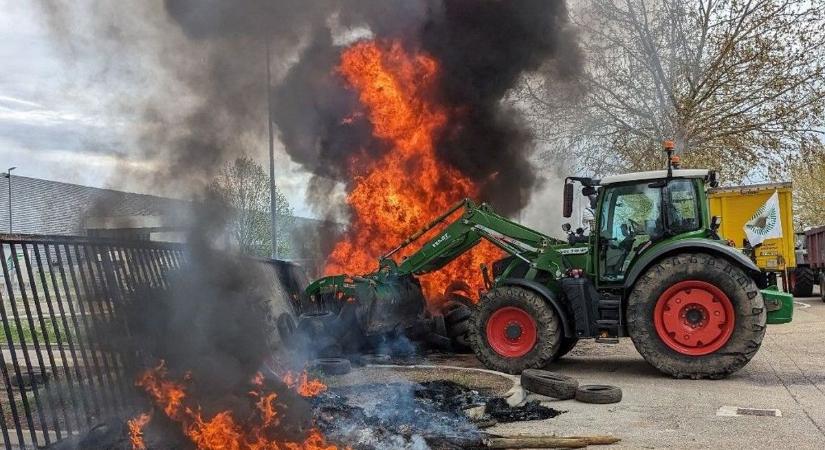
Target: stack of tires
(457,320)
(323,337)
(322,334)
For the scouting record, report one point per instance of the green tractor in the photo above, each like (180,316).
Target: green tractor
(653,269)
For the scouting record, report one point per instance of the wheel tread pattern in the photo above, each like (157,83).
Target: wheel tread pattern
(547,321)
(749,307)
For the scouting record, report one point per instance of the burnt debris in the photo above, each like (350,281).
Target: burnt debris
(398,415)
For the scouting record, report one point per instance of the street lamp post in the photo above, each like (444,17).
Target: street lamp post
(8,175)
(273,203)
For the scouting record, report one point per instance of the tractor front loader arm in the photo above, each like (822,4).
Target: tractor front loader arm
(477,222)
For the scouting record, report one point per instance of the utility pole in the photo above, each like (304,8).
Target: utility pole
(8,175)
(272,199)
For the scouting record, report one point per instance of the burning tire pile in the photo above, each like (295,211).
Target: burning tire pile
(391,319)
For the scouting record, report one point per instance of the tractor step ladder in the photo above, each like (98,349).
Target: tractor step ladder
(609,320)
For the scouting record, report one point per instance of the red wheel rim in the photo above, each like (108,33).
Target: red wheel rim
(511,332)
(694,318)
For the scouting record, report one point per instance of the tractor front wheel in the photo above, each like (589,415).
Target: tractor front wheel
(696,316)
(515,329)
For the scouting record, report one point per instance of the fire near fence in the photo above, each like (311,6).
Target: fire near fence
(61,301)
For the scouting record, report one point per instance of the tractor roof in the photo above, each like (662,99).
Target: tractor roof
(654,175)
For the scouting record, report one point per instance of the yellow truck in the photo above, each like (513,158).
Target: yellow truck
(737,205)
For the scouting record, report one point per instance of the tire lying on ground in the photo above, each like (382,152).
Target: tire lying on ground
(804,280)
(550,384)
(598,393)
(695,315)
(514,329)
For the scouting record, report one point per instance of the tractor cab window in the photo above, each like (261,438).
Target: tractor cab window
(631,216)
(683,213)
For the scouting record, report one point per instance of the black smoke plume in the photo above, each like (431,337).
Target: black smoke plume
(484,48)
(214,52)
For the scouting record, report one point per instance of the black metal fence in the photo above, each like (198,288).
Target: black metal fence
(59,301)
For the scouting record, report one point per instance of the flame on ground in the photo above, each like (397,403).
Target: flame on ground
(397,194)
(222,431)
(136,430)
(303,385)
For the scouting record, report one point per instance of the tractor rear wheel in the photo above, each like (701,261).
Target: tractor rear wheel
(696,316)
(515,329)
(803,282)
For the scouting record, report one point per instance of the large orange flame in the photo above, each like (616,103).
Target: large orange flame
(221,431)
(397,194)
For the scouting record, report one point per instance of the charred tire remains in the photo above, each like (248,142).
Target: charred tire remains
(515,329)
(459,329)
(333,366)
(598,393)
(804,280)
(550,384)
(457,315)
(695,315)
(439,326)
(316,324)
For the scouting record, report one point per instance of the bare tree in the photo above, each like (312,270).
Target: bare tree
(243,186)
(808,174)
(738,84)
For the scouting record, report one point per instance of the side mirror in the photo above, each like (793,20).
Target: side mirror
(713,179)
(568,200)
(566,227)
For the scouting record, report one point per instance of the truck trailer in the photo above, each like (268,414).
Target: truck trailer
(736,205)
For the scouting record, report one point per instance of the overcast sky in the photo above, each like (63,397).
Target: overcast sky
(54,127)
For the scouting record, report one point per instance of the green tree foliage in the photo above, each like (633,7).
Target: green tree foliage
(243,186)
(738,84)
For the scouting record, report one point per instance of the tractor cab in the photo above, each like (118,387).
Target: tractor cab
(635,211)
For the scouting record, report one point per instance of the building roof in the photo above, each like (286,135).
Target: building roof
(52,207)
(654,174)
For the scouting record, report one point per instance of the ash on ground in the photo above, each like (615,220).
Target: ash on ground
(414,415)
